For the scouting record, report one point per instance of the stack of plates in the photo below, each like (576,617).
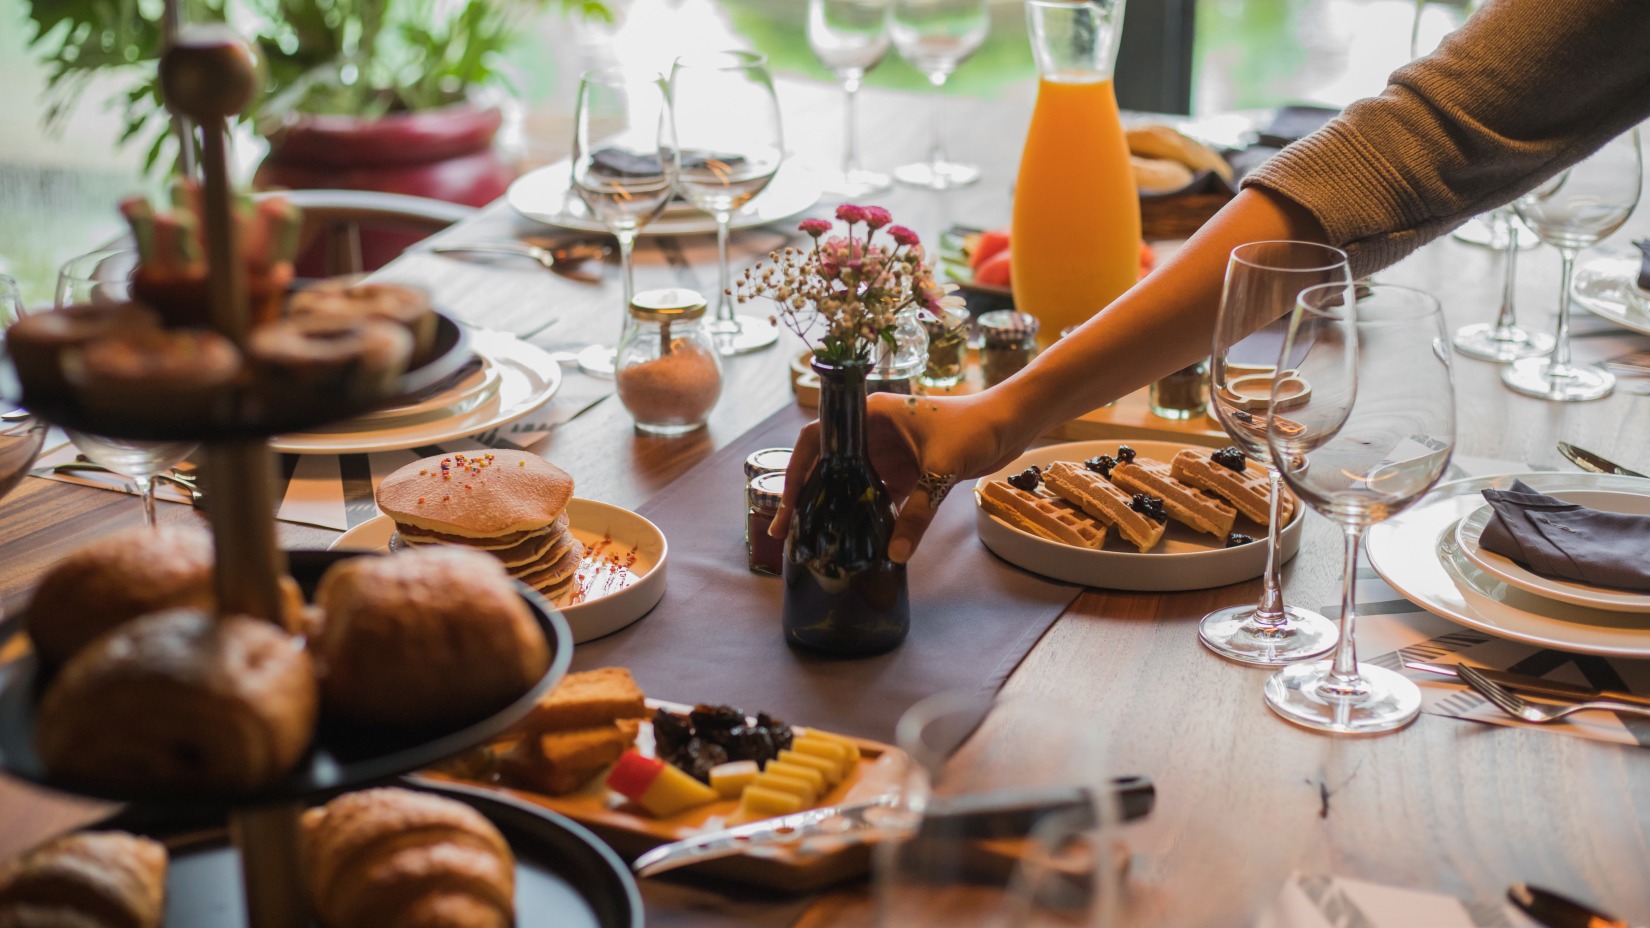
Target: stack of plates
(1431,555)
(511,380)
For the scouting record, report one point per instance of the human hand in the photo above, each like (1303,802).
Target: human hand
(958,436)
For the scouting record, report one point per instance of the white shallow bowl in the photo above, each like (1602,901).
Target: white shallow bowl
(1470,530)
(610,535)
(1183,560)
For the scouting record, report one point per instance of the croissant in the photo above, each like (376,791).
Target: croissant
(394,858)
(88,880)
(177,701)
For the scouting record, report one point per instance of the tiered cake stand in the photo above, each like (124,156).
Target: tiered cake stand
(208,75)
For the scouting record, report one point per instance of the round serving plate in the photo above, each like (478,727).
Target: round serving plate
(622,577)
(1471,528)
(1416,553)
(470,386)
(527,379)
(544,196)
(242,412)
(342,756)
(565,876)
(1183,560)
(1606,286)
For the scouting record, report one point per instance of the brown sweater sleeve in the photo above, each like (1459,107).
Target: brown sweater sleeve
(1523,90)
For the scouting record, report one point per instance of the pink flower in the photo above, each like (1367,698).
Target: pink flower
(850,213)
(876,217)
(903,236)
(815,227)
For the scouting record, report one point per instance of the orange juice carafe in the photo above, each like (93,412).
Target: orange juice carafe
(1076,236)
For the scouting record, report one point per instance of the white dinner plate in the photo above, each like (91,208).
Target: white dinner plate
(1470,529)
(527,378)
(466,394)
(543,196)
(1605,285)
(1183,560)
(621,579)
(1416,553)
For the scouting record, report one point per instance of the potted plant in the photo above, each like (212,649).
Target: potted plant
(360,94)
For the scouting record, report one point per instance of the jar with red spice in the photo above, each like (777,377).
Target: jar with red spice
(765,554)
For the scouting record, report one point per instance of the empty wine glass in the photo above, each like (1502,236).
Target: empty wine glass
(622,170)
(1503,340)
(728,144)
(21,435)
(102,276)
(850,37)
(1263,280)
(1374,435)
(936,36)
(1577,209)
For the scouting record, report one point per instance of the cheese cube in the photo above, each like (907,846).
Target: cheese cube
(761,802)
(814,777)
(730,779)
(832,751)
(784,784)
(848,743)
(831,772)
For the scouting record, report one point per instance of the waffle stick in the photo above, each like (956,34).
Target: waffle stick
(1097,496)
(1186,505)
(1250,491)
(1041,513)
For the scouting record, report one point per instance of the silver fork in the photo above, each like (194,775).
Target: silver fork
(1505,700)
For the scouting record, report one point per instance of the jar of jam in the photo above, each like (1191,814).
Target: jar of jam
(766,461)
(765,554)
(1008,342)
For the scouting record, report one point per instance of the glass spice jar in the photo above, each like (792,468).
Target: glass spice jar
(667,372)
(1183,394)
(765,554)
(1008,342)
(947,348)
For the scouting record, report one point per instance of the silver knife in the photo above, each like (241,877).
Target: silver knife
(1555,911)
(1535,686)
(1598,464)
(1009,813)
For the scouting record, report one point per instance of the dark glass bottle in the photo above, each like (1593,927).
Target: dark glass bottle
(842,593)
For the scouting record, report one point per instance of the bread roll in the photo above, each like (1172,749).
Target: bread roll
(430,637)
(95,879)
(180,701)
(116,579)
(394,858)
(1159,175)
(1157,141)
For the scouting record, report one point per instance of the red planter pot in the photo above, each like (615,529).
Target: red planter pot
(444,154)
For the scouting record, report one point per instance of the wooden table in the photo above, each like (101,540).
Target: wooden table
(1244,798)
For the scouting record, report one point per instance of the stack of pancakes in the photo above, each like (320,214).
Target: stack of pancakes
(511,504)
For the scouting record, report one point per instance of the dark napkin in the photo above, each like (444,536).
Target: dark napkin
(1643,245)
(716,636)
(1567,541)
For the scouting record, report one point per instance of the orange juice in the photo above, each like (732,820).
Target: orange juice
(1076,233)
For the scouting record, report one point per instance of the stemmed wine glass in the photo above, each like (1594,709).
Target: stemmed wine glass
(728,144)
(1375,434)
(850,37)
(1503,340)
(102,277)
(622,169)
(1263,280)
(1577,209)
(21,435)
(936,36)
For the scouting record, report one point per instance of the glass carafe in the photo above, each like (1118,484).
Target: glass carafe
(1076,238)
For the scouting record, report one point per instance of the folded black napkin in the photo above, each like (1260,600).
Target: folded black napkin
(1567,541)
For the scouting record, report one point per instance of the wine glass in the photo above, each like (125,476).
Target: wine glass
(1577,209)
(936,36)
(622,170)
(850,37)
(1503,340)
(960,749)
(1374,435)
(21,435)
(727,146)
(1263,280)
(99,277)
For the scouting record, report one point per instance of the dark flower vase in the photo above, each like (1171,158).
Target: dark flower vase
(842,594)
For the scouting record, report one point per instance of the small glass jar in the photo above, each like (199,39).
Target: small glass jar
(947,349)
(1183,394)
(1008,342)
(667,371)
(896,369)
(766,461)
(765,554)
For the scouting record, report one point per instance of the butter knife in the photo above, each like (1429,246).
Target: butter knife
(1555,911)
(1004,814)
(1598,464)
(1535,686)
